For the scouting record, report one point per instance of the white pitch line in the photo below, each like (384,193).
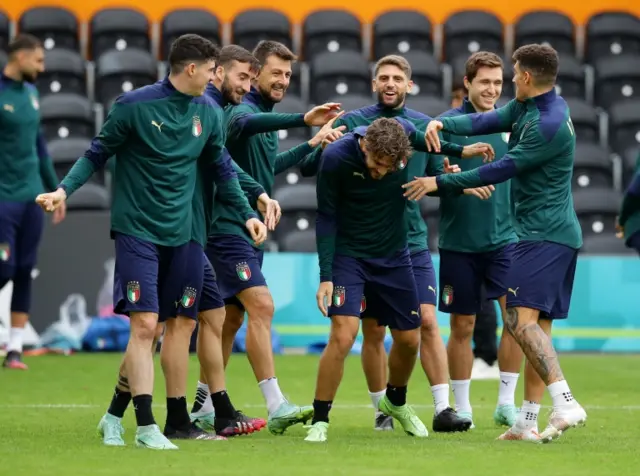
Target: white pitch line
(78,406)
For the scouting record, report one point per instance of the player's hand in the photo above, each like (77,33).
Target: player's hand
(323,296)
(479,148)
(59,213)
(270,210)
(431,137)
(320,115)
(332,136)
(483,193)
(52,200)
(328,131)
(419,187)
(257,230)
(619,230)
(450,169)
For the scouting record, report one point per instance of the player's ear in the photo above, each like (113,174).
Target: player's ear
(467,83)
(373,85)
(409,86)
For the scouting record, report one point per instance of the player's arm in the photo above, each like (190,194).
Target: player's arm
(249,186)
(326,220)
(47,172)
(291,157)
(310,165)
(245,124)
(113,134)
(482,123)
(419,143)
(630,201)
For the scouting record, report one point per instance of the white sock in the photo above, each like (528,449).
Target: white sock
(204,398)
(507,392)
(441,396)
(272,394)
(375,399)
(461,395)
(528,416)
(560,393)
(16,336)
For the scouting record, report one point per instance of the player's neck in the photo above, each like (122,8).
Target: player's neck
(12,71)
(180,84)
(217,83)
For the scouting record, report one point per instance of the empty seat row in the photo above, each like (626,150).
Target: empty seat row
(607,33)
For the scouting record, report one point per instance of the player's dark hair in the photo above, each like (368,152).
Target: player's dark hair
(393,60)
(540,61)
(481,59)
(385,137)
(230,53)
(23,41)
(267,48)
(191,48)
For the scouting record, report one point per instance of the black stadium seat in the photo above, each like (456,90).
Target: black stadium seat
(299,241)
(90,196)
(65,116)
(253,26)
(469,31)
(65,152)
(624,125)
(5,22)
(354,101)
(612,34)
(291,176)
(401,31)
(122,71)
(571,79)
(119,29)
(331,31)
(56,27)
(592,167)
(344,72)
(293,105)
(585,121)
(605,243)
(65,72)
(189,20)
(431,106)
(549,27)
(617,79)
(425,73)
(299,205)
(597,209)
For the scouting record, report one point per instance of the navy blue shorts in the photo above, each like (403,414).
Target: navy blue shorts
(423,273)
(391,280)
(541,277)
(21,225)
(161,279)
(237,264)
(464,275)
(210,297)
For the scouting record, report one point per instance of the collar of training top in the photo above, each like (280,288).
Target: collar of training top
(7,82)
(543,99)
(216,95)
(254,97)
(171,90)
(390,111)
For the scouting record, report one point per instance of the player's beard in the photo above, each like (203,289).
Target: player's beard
(29,77)
(399,99)
(228,93)
(266,93)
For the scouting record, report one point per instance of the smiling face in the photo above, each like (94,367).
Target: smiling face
(392,85)
(485,89)
(274,78)
(236,81)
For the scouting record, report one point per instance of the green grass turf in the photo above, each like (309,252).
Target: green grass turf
(49,414)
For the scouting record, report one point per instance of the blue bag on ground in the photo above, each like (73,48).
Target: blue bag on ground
(106,334)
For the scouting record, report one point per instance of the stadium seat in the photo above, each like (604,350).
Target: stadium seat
(119,29)
(586,122)
(571,80)
(469,31)
(5,22)
(425,73)
(122,71)
(605,243)
(458,66)
(56,27)
(430,210)
(624,125)
(401,31)
(431,106)
(90,196)
(295,82)
(65,152)
(293,105)
(344,72)
(592,167)
(299,205)
(189,20)
(630,162)
(597,209)
(612,34)
(292,175)
(299,241)
(65,116)
(617,79)
(354,101)
(253,26)
(546,27)
(65,72)
(331,31)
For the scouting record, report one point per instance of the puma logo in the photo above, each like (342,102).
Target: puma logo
(513,291)
(414,313)
(431,288)
(506,383)
(8,107)
(358,174)
(159,126)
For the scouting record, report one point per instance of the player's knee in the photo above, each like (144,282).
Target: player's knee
(233,319)
(143,326)
(180,326)
(462,326)
(213,319)
(429,323)
(344,331)
(260,308)
(373,334)
(408,341)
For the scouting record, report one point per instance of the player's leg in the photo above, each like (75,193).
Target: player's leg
(10,223)
(374,356)
(234,318)
(485,342)
(542,276)
(510,355)
(460,289)
(433,353)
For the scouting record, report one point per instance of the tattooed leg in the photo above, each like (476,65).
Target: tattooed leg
(522,323)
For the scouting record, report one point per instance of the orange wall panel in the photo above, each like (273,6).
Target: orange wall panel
(367,10)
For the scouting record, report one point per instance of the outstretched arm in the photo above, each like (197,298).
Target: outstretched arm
(482,123)
(326,221)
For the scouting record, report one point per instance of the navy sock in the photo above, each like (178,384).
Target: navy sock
(321,411)
(142,407)
(397,395)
